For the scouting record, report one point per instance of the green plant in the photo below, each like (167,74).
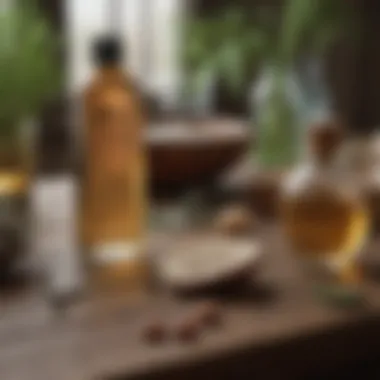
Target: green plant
(225,46)
(311,26)
(29,70)
(305,27)
(232,42)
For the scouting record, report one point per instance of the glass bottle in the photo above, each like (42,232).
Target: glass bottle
(114,191)
(315,89)
(324,214)
(372,180)
(53,210)
(16,172)
(278,107)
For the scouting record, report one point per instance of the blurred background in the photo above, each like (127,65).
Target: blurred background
(155,36)
(179,49)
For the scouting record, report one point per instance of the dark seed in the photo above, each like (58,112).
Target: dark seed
(188,330)
(210,314)
(155,332)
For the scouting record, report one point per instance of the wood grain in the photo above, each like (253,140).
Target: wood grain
(276,326)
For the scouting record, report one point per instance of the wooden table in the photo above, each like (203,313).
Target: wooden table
(276,329)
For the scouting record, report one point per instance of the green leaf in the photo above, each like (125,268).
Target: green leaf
(226,45)
(311,25)
(29,69)
(232,67)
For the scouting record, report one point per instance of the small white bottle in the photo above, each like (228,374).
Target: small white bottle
(54,234)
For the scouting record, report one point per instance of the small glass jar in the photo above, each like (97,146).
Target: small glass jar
(371,179)
(324,215)
(13,226)
(16,170)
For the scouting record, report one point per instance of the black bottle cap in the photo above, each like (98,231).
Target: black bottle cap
(107,50)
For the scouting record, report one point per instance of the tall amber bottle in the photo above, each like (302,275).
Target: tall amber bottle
(114,192)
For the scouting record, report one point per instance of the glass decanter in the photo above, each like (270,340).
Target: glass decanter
(277,103)
(278,109)
(324,216)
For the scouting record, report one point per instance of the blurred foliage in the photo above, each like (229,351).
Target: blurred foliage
(224,45)
(312,26)
(29,70)
(231,43)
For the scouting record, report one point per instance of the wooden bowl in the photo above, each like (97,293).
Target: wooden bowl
(186,153)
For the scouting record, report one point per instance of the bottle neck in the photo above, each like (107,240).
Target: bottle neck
(320,162)
(323,163)
(323,156)
(112,71)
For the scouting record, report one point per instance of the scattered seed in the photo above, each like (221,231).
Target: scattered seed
(155,332)
(189,330)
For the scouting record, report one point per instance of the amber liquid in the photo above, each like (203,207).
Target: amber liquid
(325,224)
(114,196)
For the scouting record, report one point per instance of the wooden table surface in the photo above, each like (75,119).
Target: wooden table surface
(274,329)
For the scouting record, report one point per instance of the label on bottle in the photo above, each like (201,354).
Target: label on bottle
(109,253)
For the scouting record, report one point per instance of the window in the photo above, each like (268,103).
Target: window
(151,31)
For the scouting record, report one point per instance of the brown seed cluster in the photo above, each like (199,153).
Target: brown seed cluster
(155,332)
(189,328)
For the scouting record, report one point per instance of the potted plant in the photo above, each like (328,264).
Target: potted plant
(29,75)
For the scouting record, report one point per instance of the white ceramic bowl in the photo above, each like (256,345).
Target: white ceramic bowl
(195,264)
